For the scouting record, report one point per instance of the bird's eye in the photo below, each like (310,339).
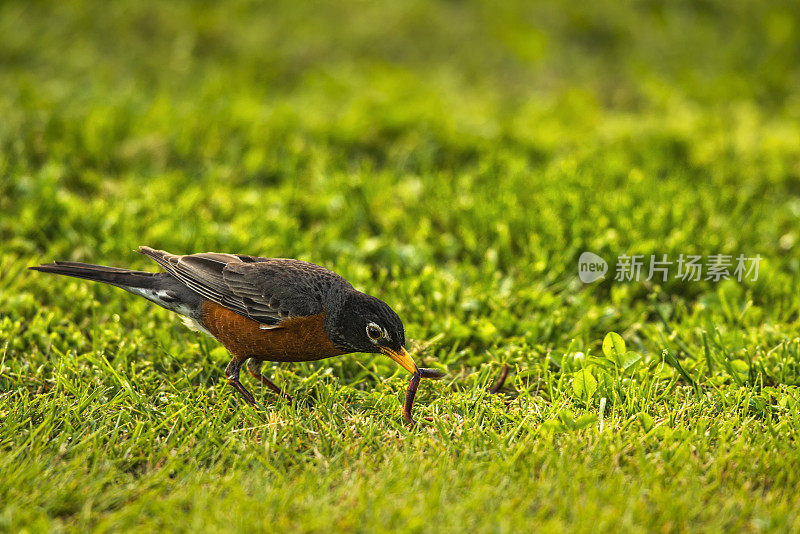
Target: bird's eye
(374,331)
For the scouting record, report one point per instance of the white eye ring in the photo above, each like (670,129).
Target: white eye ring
(374,332)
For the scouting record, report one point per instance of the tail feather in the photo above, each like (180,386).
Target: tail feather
(99,273)
(160,288)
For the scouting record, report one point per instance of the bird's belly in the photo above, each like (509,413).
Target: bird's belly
(297,339)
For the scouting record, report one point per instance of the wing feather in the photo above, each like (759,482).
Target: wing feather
(267,290)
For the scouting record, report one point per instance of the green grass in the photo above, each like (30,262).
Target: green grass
(453,159)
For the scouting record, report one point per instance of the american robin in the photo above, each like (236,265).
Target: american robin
(264,309)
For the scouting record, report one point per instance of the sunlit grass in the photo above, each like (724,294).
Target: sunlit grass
(454,160)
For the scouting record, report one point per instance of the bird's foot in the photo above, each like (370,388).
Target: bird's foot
(248,397)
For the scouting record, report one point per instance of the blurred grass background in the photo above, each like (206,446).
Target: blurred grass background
(452,158)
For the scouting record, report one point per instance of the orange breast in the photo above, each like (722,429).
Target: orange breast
(298,339)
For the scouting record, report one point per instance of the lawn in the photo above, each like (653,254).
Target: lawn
(454,159)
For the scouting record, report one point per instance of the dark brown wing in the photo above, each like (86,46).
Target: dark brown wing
(267,290)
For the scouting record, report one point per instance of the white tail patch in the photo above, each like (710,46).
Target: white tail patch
(193,324)
(163,299)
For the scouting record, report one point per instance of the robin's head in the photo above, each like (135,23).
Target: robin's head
(367,324)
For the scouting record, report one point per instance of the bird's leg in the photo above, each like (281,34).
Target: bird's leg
(232,374)
(254,368)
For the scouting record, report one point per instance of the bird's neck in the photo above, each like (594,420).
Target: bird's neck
(336,303)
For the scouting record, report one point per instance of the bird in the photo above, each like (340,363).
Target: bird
(264,309)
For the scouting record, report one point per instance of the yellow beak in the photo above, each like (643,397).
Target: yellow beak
(402,358)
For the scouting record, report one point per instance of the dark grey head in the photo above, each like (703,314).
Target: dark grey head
(367,324)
